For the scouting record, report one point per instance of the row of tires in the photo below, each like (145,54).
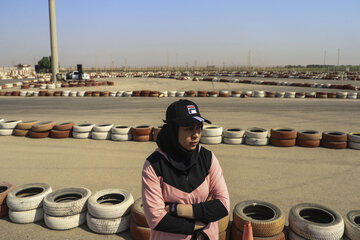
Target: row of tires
(190,93)
(50,85)
(211,134)
(111,211)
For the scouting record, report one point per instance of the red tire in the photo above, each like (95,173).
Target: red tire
(142,138)
(5,188)
(334,136)
(308,135)
(334,145)
(64,126)
(141,130)
(4,210)
(60,134)
(21,132)
(43,126)
(283,133)
(137,213)
(236,234)
(138,232)
(308,143)
(33,134)
(282,142)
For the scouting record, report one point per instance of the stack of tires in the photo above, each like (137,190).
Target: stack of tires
(180,93)
(139,228)
(5,188)
(283,137)
(352,227)
(109,211)
(256,136)
(224,229)
(334,140)
(102,131)
(25,202)
(233,136)
(66,208)
(354,140)
(342,95)
(308,138)
(212,93)
(211,134)
(315,222)
(82,131)
(62,130)
(142,133)
(289,94)
(22,129)
(267,220)
(121,133)
(41,129)
(259,94)
(7,127)
(172,94)
(155,132)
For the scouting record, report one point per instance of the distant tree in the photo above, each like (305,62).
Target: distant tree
(45,64)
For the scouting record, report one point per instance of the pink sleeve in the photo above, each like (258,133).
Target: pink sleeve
(218,188)
(153,201)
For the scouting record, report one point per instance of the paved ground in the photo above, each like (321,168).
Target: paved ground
(282,176)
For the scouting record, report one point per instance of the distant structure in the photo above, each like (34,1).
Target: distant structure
(53,40)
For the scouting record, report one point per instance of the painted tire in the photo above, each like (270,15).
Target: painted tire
(121,201)
(334,136)
(26,125)
(282,142)
(333,145)
(354,137)
(137,212)
(256,141)
(85,127)
(138,232)
(64,126)
(9,124)
(236,234)
(4,210)
(66,222)
(108,226)
(352,228)
(103,127)
(142,138)
(27,197)
(101,135)
(141,130)
(308,135)
(223,223)
(120,129)
(234,133)
(266,219)
(211,131)
(60,134)
(33,134)
(320,223)
(43,126)
(121,137)
(5,188)
(66,202)
(6,132)
(354,145)
(256,132)
(28,216)
(283,133)
(81,135)
(21,133)
(211,140)
(308,143)
(233,141)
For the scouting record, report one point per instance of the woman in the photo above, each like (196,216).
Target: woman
(183,189)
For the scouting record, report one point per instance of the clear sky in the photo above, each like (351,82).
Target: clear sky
(193,32)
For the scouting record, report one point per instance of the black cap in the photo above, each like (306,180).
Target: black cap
(185,113)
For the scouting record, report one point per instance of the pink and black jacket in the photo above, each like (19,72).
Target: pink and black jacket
(163,183)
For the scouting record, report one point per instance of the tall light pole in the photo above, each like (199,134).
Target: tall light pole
(53,39)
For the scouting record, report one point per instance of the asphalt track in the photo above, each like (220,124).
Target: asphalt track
(282,176)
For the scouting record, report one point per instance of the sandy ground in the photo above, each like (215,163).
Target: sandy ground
(282,176)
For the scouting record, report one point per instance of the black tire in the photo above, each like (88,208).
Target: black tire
(352,224)
(266,219)
(316,222)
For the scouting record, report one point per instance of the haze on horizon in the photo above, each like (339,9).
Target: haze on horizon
(201,32)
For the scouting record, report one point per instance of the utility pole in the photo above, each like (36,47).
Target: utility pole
(53,40)
(338,59)
(249,59)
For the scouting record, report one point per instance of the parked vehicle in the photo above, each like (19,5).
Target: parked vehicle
(75,75)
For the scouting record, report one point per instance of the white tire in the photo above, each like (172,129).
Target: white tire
(234,141)
(66,202)
(6,132)
(85,127)
(121,203)
(320,222)
(23,93)
(9,124)
(27,197)
(1,120)
(352,228)
(103,127)
(58,85)
(354,145)
(354,137)
(113,94)
(65,93)
(73,94)
(352,95)
(279,94)
(43,86)
(119,93)
(29,216)
(101,135)
(81,93)
(256,141)
(234,133)
(127,94)
(51,86)
(236,95)
(108,226)
(180,94)
(290,94)
(36,93)
(172,94)
(163,93)
(65,223)
(259,94)
(81,135)
(256,132)
(121,137)
(120,129)
(211,131)
(341,94)
(211,140)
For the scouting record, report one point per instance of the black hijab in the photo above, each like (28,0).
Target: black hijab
(179,157)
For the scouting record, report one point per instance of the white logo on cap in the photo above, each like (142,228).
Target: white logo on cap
(191,109)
